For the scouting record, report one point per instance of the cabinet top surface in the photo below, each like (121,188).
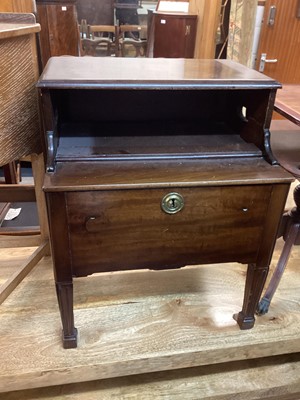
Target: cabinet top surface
(150,73)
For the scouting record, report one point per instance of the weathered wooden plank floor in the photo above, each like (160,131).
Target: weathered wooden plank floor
(140,322)
(154,324)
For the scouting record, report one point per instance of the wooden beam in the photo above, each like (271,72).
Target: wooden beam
(208,12)
(17,193)
(7,241)
(25,268)
(4,207)
(20,230)
(17,6)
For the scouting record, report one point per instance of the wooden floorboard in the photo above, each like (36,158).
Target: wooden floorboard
(138,330)
(140,322)
(274,378)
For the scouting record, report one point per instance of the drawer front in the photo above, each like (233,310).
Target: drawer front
(128,229)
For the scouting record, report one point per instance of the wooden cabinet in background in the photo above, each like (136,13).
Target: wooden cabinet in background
(59,28)
(174,35)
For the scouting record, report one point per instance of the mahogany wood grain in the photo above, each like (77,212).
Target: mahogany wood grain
(133,223)
(123,134)
(169,174)
(174,35)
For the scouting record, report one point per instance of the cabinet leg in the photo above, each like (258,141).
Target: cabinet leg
(65,300)
(255,280)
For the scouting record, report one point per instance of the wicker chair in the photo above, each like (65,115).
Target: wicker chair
(20,132)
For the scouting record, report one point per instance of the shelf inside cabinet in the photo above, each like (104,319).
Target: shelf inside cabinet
(153,141)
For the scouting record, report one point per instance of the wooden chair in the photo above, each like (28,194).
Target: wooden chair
(100,40)
(286,148)
(83,29)
(11,172)
(131,37)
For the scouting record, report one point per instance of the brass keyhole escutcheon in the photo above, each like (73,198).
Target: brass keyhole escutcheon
(172,203)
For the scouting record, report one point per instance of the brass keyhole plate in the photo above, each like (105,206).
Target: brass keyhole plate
(172,203)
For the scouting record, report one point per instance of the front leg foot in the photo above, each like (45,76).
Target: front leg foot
(255,280)
(244,322)
(70,341)
(64,292)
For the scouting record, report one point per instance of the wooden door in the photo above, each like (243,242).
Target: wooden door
(174,35)
(281,41)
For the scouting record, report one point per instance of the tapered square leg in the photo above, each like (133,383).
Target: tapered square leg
(255,280)
(65,300)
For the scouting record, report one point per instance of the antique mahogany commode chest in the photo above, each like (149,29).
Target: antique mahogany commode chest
(159,163)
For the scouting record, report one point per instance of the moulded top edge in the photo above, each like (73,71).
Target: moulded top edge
(150,73)
(115,85)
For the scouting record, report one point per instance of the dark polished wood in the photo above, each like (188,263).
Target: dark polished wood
(287,104)
(155,164)
(174,35)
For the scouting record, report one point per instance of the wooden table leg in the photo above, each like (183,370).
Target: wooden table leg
(64,293)
(255,280)
(38,170)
